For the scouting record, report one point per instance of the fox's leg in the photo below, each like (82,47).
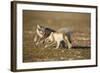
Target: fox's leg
(40,40)
(35,38)
(58,44)
(52,43)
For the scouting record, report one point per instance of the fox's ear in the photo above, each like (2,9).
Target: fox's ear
(38,26)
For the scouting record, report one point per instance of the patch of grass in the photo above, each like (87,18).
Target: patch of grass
(51,54)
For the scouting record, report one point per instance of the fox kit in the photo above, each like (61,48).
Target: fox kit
(57,37)
(41,34)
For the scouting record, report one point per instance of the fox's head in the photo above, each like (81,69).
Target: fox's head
(40,30)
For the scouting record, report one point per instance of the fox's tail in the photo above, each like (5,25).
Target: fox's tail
(68,34)
(68,42)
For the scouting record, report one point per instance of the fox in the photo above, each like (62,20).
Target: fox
(41,34)
(44,34)
(57,38)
